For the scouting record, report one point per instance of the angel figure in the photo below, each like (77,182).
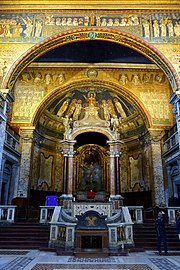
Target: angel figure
(71,108)
(114,123)
(119,108)
(78,108)
(63,108)
(105,110)
(67,124)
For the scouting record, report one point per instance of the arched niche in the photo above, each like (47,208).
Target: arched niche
(91,161)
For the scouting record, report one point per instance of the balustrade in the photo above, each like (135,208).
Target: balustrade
(11,139)
(171,142)
(7,213)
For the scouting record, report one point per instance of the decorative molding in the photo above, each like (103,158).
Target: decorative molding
(92,4)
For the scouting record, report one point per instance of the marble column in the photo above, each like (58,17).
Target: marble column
(26,134)
(112,174)
(70,173)
(114,154)
(157,167)
(68,151)
(65,173)
(68,169)
(118,186)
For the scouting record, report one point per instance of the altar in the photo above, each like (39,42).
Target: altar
(99,196)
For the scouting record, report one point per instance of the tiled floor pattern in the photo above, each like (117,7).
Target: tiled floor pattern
(91,266)
(164,264)
(92,260)
(14,252)
(37,260)
(17,264)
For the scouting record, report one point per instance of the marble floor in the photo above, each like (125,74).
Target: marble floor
(41,260)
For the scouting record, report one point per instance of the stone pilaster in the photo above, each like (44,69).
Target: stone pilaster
(15,177)
(178,162)
(3,160)
(37,144)
(170,184)
(6,98)
(157,167)
(25,166)
(59,169)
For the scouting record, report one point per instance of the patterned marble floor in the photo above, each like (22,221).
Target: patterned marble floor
(38,260)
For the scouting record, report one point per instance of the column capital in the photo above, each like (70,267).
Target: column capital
(27,133)
(115,142)
(67,147)
(115,148)
(7,95)
(68,142)
(155,135)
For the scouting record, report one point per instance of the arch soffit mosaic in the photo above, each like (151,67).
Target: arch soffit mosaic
(76,35)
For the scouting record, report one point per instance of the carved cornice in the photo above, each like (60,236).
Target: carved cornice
(82,4)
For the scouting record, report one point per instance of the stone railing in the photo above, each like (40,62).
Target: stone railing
(121,233)
(12,139)
(171,142)
(7,213)
(172,214)
(136,213)
(46,213)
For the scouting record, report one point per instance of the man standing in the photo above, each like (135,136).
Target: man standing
(161,232)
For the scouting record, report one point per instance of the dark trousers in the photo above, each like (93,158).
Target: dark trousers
(161,238)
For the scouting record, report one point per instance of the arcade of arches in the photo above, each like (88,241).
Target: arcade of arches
(90,101)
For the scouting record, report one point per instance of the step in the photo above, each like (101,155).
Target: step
(24,235)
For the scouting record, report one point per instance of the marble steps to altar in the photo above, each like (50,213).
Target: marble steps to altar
(24,235)
(29,235)
(145,237)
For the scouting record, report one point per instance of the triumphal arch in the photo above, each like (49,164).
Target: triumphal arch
(89,113)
